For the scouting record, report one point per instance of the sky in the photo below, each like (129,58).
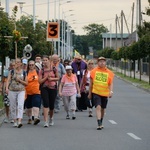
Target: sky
(83,12)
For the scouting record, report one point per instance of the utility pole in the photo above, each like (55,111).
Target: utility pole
(140,21)
(7,6)
(116,20)
(34,14)
(125,22)
(121,28)
(132,21)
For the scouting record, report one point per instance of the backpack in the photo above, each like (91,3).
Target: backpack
(24,74)
(54,71)
(12,74)
(84,80)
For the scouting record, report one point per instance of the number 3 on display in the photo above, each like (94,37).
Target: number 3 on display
(52,31)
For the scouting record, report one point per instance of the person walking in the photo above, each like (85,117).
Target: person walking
(61,71)
(33,100)
(68,89)
(101,86)
(48,77)
(15,87)
(78,66)
(84,88)
(6,99)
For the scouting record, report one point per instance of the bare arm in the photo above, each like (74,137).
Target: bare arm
(56,78)
(60,88)
(90,88)
(42,80)
(24,82)
(111,89)
(77,87)
(7,82)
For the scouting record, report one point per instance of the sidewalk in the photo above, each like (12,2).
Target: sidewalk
(2,116)
(137,75)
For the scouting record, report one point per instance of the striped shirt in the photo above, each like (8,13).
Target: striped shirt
(69,87)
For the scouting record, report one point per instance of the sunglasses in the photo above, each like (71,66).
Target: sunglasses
(31,64)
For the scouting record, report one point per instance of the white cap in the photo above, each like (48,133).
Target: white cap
(68,68)
(24,61)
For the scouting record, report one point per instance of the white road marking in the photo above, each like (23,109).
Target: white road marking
(134,136)
(112,122)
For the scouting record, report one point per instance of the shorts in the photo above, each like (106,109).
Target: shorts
(100,100)
(33,101)
(48,97)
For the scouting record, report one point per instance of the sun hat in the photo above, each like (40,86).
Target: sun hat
(38,65)
(68,68)
(77,56)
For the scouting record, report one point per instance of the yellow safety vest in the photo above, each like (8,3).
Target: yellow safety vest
(100,83)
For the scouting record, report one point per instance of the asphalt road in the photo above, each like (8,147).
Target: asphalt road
(126,127)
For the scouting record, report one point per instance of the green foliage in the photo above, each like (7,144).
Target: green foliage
(1,102)
(94,35)
(114,55)
(6,28)
(106,52)
(93,38)
(139,83)
(144,29)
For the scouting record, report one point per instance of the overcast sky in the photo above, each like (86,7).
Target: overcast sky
(84,12)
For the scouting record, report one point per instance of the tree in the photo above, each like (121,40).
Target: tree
(36,37)
(6,28)
(94,35)
(148,9)
(143,29)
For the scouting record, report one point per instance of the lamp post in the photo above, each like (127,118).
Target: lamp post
(60,53)
(21,7)
(66,42)
(69,39)
(34,14)
(63,35)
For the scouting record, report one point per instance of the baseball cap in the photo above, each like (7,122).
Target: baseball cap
(24,61)
(102,58)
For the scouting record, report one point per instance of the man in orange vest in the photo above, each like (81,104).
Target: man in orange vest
(101,87)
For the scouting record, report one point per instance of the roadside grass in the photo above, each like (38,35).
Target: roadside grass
(137,82)
(1,102)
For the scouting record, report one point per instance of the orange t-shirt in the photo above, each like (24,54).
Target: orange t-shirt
(33,83)
(102,78)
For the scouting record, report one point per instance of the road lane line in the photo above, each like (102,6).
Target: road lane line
(112,122)
(134,136)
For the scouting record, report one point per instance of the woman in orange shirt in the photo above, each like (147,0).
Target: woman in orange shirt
(33,101)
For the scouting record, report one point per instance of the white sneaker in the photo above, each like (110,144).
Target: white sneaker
(5,120)
(12,121)
(15,124)
(46,125)
(51,122)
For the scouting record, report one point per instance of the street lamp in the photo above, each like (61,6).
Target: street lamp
(64,35)
(21,7)
(60,4)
